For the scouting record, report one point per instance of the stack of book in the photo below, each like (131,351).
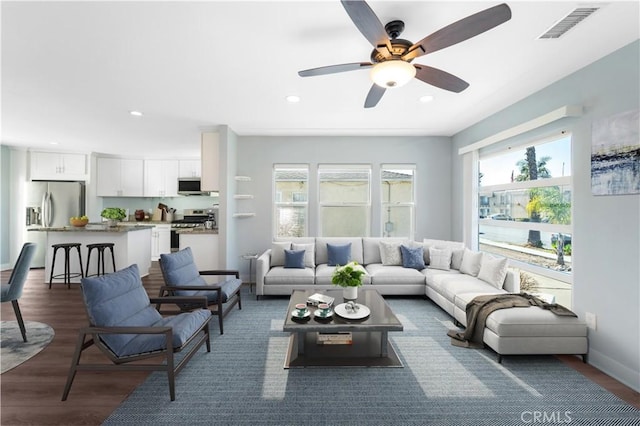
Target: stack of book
(317,298)
(339,338)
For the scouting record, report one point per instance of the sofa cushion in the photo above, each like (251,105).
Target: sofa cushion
(456,258)
(324,274)
(534,322)
(309,253)
(471,261)
(493,270)
(277,252)
(371,247)
(280,275)
(440,258)
(390,253)
(382,274)
(412,257)
(294,259)
(321,248)
(338,254)
(450,283)
(453,245)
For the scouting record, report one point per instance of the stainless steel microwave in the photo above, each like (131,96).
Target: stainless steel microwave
(190,186)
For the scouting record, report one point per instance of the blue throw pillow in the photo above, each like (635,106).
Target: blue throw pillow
(413,257)
(338,255)
(294,259)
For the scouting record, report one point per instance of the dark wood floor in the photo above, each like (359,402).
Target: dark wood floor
(31,392)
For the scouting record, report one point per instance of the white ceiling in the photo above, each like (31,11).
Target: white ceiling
(72,71)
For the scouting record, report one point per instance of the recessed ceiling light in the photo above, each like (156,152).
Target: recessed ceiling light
(426,98)
(136,113)
(293,99)
(53,143)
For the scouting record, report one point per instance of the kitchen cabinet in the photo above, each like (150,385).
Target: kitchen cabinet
(160,240)
(58,166)
(189,168)
(210,147)
(161,178)
(119,177)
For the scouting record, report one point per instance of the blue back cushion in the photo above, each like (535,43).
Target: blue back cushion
(294,259)
(338,254)
(179,269)
(118,299)
(412,257)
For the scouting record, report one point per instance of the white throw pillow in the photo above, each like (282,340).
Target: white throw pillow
(471,261)
(456,258)
(390,253)
(309,253)
(440,258)
(493,270)
(277,252)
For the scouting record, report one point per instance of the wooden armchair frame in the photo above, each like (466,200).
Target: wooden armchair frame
(217,308)
(199,337)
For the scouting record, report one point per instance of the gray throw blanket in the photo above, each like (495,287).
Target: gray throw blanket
(482,306)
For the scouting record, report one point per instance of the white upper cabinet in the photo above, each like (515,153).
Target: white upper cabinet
(58,166)
(161,178)
(189,168)
(119,177)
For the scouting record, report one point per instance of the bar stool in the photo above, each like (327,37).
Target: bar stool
(67,275)
(100,247)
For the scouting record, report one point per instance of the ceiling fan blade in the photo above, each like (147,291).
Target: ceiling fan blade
(332,69)
(439,78)
(368,24)
(375,94)
(459,31)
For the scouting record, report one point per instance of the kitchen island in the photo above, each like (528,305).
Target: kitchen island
(204,245)
(132,244)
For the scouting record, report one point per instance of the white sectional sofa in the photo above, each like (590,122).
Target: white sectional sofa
(452,277)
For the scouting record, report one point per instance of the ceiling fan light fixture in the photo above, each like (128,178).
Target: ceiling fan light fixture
(392,73)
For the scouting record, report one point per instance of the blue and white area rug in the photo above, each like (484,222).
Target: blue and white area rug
(14,351)
(243,382)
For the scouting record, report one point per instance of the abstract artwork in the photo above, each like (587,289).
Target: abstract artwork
(615,154)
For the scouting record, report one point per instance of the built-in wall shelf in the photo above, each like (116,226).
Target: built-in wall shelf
(241,215)
(243,197)
(243,178)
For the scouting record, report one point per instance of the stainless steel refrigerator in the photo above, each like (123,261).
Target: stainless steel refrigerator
(51,204)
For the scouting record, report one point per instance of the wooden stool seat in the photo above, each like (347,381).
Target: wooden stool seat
(67,275)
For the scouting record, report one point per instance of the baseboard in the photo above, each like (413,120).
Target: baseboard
(613,368)
(5,266)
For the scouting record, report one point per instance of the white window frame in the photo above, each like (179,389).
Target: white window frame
(384,205)
(277,199)
(367,204)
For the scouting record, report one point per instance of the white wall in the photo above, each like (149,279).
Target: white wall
(257,155)
(606,229)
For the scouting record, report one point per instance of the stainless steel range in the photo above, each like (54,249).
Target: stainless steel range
(192,218)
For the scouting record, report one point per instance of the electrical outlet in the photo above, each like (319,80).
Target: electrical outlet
(590,319)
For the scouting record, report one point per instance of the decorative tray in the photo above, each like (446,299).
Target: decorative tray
(346,311)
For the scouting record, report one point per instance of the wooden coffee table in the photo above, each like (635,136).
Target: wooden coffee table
(370,345)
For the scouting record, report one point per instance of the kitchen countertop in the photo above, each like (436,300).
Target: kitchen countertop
(196,231)
(119,229)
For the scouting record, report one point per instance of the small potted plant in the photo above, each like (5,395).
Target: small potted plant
(349,277)
(113,215)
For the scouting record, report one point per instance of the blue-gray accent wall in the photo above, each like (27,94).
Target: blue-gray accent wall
(606,229)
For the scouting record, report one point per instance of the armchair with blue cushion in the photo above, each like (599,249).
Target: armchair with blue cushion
(182,278)
(126,327)
(12,290)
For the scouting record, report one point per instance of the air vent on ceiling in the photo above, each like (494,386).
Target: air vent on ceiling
(568,22)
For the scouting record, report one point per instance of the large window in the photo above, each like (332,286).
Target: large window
(291,183)
(397,195)
(344,200)
(524,206)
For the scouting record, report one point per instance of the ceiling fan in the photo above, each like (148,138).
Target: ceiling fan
(391,56)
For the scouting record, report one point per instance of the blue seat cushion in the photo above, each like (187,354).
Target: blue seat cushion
(180,269)
(120,300)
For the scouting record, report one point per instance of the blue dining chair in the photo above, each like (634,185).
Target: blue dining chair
(12,290)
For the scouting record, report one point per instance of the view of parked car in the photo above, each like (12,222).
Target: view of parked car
(500,216)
